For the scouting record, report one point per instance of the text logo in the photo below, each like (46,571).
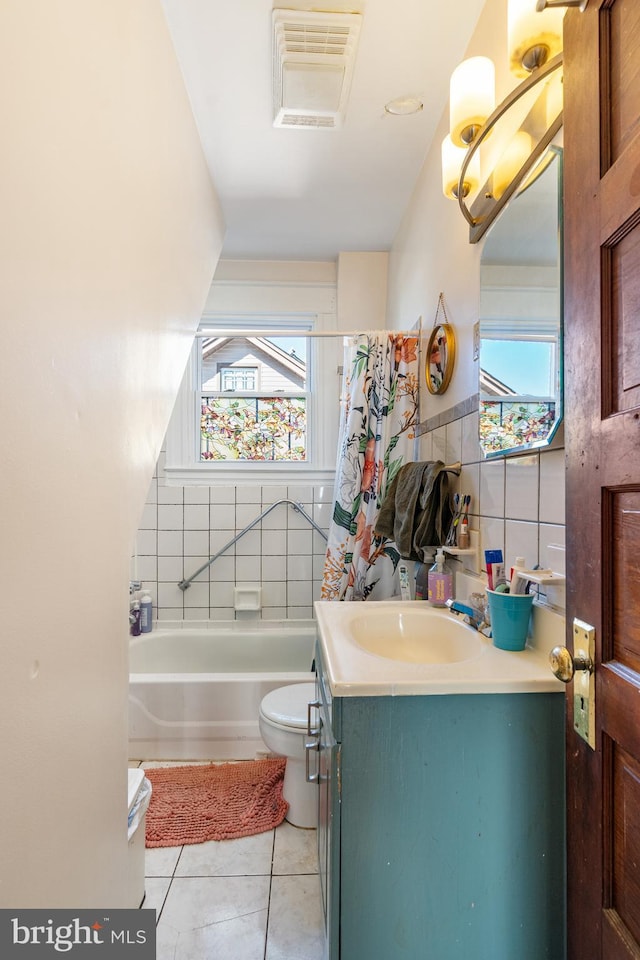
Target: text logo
(78,933)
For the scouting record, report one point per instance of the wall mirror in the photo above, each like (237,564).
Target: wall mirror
(520,329)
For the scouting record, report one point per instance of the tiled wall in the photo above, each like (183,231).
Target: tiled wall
(517,502)
(182,527)
(517,505)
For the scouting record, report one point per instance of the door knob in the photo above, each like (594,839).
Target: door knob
(564,664)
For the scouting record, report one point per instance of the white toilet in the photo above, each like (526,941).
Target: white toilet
(283,727)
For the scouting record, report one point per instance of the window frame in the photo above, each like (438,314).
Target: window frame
(183,465)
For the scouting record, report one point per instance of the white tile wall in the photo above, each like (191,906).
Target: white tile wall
(181,527)
(517,502)
(517,505)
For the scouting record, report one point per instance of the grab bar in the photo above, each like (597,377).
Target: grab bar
(186,583)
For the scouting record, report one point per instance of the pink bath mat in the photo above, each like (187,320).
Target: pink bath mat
(217,801)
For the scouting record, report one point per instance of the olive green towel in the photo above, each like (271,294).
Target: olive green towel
(416,511)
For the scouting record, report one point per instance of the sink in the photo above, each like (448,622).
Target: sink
(415,636)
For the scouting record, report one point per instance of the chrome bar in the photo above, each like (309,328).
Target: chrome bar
(313,705)
(310,745)
(186,583)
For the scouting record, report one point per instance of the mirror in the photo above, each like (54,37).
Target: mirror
(441,355)
(520,328)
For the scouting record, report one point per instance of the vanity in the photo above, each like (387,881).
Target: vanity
(440,765)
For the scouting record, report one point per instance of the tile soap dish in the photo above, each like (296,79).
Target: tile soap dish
(543,577)
(247,598)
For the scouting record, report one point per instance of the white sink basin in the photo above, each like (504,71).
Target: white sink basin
(400,648)
(413,636)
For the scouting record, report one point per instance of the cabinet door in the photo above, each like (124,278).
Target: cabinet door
(329,823)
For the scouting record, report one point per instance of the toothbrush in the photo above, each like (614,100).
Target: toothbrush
(462,538)
(451,536)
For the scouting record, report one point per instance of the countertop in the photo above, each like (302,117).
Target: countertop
(355,672)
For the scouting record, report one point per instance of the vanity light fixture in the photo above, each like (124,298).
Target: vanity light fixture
(521,127)
(452,159)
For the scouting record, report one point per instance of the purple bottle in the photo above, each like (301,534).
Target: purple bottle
(134,619)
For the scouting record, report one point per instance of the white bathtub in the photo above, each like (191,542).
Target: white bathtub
(194,694)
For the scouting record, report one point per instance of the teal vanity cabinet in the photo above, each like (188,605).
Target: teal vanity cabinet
(441,831)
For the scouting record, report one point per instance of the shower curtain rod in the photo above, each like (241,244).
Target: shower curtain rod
(215,332)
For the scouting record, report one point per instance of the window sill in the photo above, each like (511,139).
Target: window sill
(248,475)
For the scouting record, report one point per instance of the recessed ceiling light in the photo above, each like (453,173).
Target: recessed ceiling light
(404,106)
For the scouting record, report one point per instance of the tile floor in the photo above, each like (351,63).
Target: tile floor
(256,898)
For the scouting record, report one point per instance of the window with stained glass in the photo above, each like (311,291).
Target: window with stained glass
(254,399)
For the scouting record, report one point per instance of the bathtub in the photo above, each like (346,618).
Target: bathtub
(194,693)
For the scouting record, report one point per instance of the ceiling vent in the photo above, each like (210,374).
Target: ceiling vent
(313,58)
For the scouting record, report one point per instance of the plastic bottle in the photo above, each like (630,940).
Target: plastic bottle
(516,584)
(134,618)
(146,612)
(463,536)
(422,572)
(440,580)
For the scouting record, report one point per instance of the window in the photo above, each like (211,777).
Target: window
(259,425)
(238,378)
(257,408)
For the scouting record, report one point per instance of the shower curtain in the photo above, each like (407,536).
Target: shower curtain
(379,410)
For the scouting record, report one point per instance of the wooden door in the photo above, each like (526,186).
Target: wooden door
(602,350)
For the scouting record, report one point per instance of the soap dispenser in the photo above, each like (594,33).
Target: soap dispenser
(440,582)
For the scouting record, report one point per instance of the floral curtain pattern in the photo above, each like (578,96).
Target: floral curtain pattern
(379,411)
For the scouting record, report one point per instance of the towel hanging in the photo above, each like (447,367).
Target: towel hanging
(416,512)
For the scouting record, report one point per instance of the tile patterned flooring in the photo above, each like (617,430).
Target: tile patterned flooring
(256,898)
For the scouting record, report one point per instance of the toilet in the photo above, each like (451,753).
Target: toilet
(283,727)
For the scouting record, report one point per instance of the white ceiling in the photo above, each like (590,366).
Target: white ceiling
(310,194)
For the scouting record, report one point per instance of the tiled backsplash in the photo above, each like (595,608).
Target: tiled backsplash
(182,527)
(517,502)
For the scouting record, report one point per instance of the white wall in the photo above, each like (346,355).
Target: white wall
(110,235)
(362,290)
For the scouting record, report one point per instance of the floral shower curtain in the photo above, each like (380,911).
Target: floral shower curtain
(379,410)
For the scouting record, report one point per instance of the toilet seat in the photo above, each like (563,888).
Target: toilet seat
(287,706)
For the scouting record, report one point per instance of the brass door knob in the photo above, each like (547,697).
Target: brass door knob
(564,664)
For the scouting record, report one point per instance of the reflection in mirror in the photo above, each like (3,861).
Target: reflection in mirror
(521,319)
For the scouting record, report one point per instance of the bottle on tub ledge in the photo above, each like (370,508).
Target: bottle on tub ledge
(146,612)
(440,582)
(134,618)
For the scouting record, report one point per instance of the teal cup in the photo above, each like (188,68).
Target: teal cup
(510,613)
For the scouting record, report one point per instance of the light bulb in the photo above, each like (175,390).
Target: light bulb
(452,160)
(471,98)
(534,38)
(512,159)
